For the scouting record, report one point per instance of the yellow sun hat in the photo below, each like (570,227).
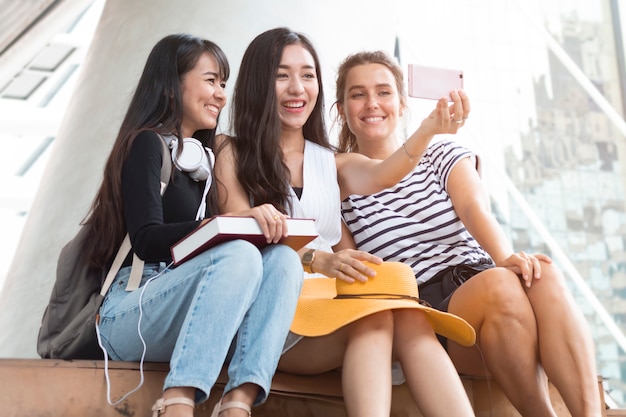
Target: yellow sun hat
(327,304)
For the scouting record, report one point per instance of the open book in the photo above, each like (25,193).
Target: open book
(224,228)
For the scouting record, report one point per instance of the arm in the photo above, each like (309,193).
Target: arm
(347,241)
(154,222)
(346,262)
(233,200)
(358,174)
(470,201)
(345,265)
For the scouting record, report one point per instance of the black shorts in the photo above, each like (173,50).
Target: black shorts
(438,290)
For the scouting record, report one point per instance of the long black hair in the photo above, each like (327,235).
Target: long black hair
(156,105)
(255,122)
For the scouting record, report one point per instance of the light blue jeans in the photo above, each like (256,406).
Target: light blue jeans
(232,293)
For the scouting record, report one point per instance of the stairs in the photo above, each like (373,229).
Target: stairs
(50,388)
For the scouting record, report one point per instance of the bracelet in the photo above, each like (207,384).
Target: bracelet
(408,154)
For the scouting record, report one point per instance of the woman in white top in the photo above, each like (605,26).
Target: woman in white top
(438,221)
(280,154)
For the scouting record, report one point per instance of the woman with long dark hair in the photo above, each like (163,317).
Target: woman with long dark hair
(221,299)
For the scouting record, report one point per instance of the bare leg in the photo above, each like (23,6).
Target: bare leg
(432,379)
(363,349)
(494,302)
(566,348)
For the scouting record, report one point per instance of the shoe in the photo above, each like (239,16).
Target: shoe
(159,406)
(219,407)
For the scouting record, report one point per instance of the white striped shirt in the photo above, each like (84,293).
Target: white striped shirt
(414,222)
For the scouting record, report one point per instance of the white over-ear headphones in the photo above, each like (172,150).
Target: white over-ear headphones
(194,159)
(197,161)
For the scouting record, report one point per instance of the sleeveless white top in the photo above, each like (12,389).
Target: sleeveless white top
(320,198)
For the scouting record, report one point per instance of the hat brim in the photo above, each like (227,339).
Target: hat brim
(318,313)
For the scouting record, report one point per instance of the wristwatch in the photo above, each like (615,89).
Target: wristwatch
(307,260)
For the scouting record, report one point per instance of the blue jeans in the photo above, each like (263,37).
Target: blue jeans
(192,314)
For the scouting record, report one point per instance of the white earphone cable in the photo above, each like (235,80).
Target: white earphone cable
(143,342)
(207,185)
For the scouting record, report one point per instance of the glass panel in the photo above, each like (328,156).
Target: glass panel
(546,81)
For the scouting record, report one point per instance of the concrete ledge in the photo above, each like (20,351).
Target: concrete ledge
(38,388)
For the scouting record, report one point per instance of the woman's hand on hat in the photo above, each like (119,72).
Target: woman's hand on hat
(346,265)
(527,266)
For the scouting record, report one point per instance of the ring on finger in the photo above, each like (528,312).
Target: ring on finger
(275,217)
(459,121)
(341,268)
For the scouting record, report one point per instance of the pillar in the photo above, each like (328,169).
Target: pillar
(125,34)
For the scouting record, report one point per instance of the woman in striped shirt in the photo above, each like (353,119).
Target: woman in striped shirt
(437,220)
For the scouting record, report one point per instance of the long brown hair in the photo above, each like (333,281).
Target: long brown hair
(157,102)
(255,123)
(347,140)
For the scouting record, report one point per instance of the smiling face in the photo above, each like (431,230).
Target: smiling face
(203,96)
(297,87)
(371,102)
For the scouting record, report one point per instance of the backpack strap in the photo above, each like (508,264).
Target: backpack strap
(117,264)
(166,166)
(137,268)
(136,272)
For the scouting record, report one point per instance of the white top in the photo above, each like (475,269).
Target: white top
(320,196)
(414,222)
(320,201)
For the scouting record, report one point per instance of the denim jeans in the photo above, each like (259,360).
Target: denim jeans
(232,293)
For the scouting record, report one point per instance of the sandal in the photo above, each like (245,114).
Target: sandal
(219,407)
(159,406)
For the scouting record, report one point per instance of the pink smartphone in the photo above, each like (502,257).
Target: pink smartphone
(433,83)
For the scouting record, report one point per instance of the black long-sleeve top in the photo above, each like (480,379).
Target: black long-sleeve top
(155,223)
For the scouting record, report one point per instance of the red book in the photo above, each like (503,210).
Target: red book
(224,228)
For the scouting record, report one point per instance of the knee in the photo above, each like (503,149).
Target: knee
(239,260)
(412,326)
(503,294)
(413,320)
(281,264)
(381,322)
(234,259)
(282,258)
(551,285)
(245,255)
